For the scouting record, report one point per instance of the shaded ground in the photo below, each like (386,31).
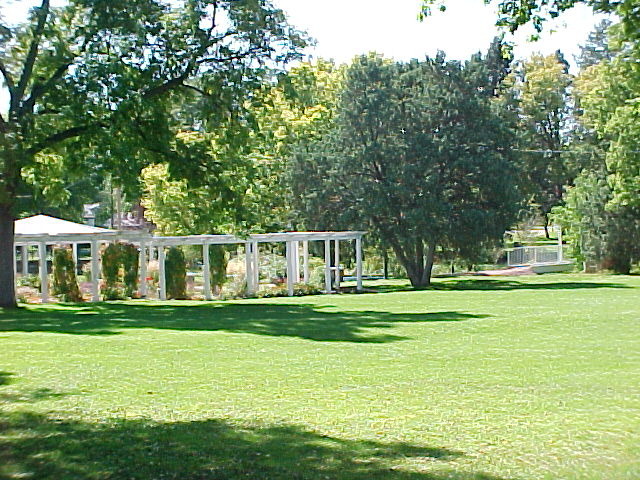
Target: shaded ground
(301,320)
(211,449)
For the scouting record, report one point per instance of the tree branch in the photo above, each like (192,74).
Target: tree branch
(43,13)
(64,135)
(39,90)
(168,85)
(7,77)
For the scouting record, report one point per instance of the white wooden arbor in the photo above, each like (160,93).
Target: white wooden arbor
(297,249)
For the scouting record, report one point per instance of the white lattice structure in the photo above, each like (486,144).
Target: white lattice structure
(297,252)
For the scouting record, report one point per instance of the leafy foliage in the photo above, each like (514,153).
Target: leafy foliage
(419,155)
(96,83)
(65,283)
(218,260)
(176,271)
(120,270)
(542,85)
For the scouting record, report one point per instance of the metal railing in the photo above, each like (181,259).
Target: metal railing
(534,255)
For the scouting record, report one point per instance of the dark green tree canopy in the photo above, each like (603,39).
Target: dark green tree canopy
(419,155)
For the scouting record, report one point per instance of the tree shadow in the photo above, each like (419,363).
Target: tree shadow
(495,284)
(31,396)
(6,378)
(39,446)
(509,284)
(309,322)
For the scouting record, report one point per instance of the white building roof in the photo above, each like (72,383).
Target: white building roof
(46,225)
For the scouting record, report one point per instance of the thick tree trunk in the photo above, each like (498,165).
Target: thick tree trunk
(7,272)
(417,265)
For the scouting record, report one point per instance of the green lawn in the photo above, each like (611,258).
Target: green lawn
(477,378)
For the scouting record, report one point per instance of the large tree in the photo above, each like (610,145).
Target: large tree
(542,85)
(93,82)
(608,95)
(418,155)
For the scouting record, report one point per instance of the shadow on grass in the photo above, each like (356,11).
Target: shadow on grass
(31,397)
(494,284)
(38,446)
(5,378)
(301,321)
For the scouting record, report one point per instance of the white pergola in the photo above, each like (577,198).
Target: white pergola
(297,249)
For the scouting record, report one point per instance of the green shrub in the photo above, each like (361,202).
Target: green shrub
(65,284)
(129,258)
(32,281)
(299,290)
(119,270)
(176,274)
(218,260)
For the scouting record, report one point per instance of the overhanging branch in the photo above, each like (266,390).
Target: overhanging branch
(39,90)
(64,135)
(27,71)
(7,76)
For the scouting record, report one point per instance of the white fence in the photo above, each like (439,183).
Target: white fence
(535,255)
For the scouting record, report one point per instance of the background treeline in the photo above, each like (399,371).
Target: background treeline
(434,158)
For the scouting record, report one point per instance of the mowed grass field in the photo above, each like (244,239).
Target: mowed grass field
(477,378)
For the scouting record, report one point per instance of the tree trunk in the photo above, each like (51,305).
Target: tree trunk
(7,268)
(385,263)
(418,267)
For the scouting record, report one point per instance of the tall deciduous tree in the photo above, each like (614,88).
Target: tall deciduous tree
(542,84)
(418,155)
(92,81)
(608,95)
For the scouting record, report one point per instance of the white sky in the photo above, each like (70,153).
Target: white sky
(346,28)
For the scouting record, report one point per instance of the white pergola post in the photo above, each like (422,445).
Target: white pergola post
(358,264)
(305,261)
(256,266)
(24,249)
(44,276)
(290,267)
(296,261)
(560,253)
(15,259)
(248,262)
(74,255)
(337,262)
(143,269)
(206,272)
(162,279)
(327,266)
(95,272)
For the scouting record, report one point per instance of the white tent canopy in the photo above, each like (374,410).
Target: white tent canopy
(46,225)
(42,230)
